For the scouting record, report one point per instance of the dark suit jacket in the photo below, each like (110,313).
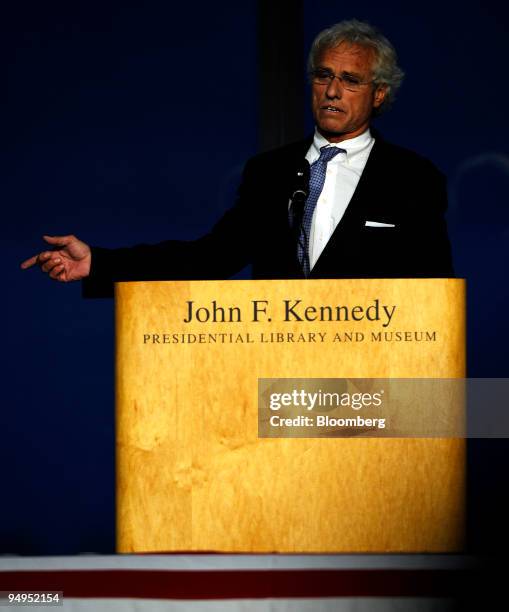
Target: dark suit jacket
(397,187)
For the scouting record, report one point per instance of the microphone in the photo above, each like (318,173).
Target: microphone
(299,195)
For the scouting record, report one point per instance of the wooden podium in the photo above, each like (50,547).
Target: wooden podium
(192,473)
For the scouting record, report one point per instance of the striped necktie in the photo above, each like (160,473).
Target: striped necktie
(316,181)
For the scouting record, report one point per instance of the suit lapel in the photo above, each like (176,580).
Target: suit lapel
(287,172)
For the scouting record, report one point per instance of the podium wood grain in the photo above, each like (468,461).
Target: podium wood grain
(192,474)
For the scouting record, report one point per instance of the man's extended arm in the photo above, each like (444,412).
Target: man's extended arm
(222,252)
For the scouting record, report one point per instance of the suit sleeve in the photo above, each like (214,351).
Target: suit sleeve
(225,250)
(429,247)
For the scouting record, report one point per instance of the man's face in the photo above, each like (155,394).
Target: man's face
(339,113)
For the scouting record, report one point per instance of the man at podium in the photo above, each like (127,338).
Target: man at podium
(343,203)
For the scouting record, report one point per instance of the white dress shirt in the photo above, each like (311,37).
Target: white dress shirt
(341,179)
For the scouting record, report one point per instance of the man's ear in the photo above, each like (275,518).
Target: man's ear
(379,95)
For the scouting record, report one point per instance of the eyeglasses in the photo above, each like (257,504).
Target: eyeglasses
(322,76)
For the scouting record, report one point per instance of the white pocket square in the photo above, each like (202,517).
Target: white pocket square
(378,224)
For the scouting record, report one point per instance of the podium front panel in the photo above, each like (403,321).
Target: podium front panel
(192,472)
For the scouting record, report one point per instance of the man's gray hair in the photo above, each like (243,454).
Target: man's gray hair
(385,68)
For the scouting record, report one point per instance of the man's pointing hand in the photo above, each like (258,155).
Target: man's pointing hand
(69,260)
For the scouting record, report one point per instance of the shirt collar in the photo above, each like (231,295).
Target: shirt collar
(352,146)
